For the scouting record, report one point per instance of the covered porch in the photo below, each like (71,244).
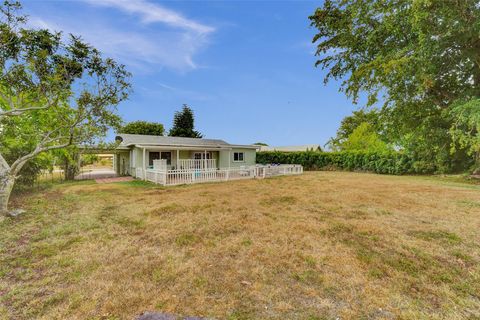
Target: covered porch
(143,158)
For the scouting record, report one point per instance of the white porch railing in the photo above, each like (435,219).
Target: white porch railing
(176,177)
(191,164)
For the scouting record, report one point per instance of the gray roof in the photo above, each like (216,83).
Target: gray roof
(139,139)
(291,148)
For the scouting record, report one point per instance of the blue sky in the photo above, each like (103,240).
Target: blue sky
(245,67)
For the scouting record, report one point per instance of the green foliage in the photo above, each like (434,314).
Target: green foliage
(183,124)
(466,127)
(417,58)
(386,162)
(143,127)
(12,148)
(260,144)
(350,123)
(68,159)
(363,138)
(89,159)
(55,92)
(32,169)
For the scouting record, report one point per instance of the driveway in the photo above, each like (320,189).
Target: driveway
(96,174)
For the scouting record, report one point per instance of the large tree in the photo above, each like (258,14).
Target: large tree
(143,127)
(55,91)
(417,58)
(183,124)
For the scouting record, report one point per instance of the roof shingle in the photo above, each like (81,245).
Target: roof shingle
(133,139)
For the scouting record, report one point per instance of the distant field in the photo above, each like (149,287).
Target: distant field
(324,245)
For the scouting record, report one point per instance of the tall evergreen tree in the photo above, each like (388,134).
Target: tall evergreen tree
(183,124)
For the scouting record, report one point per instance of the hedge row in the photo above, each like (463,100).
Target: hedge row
(378,162)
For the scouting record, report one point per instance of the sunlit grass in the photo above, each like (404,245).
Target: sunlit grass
(324,245)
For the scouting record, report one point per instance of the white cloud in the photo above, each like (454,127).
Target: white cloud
(183,93)
(174,47)
(37,22)
(151,12)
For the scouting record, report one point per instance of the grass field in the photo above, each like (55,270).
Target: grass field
(324,245)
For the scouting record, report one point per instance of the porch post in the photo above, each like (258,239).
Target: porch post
(229,157)
(205,160)
(144,165)
(178,159)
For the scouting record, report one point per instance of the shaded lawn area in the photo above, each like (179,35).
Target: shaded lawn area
(318,246)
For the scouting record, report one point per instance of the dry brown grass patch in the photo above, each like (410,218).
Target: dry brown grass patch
(318,246)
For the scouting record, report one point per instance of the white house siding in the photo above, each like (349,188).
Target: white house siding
(138,156)
(224,157)
(250,158)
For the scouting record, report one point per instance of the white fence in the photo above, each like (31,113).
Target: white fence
(176,177)
(280,170)
(191,164)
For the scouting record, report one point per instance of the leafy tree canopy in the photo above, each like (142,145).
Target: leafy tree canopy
(364,138)
(55,92)
(466,127)
(183,124)
(350,123)
(143,127)
(415,57)
(260,144)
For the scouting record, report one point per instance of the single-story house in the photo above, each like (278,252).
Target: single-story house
(137,153)
(306,147)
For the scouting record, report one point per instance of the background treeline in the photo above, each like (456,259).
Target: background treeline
(367,132)
(414,69)
(384,162)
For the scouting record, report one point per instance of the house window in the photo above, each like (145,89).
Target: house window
(201,155)
(167,156)
(153,156)
(156,155)
(238,156)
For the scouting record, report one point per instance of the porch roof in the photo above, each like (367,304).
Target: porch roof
(147,141)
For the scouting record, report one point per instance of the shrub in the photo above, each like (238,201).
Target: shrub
(386,162)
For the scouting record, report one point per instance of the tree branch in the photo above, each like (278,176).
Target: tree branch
(17,112)
(20,162)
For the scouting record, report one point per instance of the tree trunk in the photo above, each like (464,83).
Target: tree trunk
(70,171)
(71,167)
(6,187)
